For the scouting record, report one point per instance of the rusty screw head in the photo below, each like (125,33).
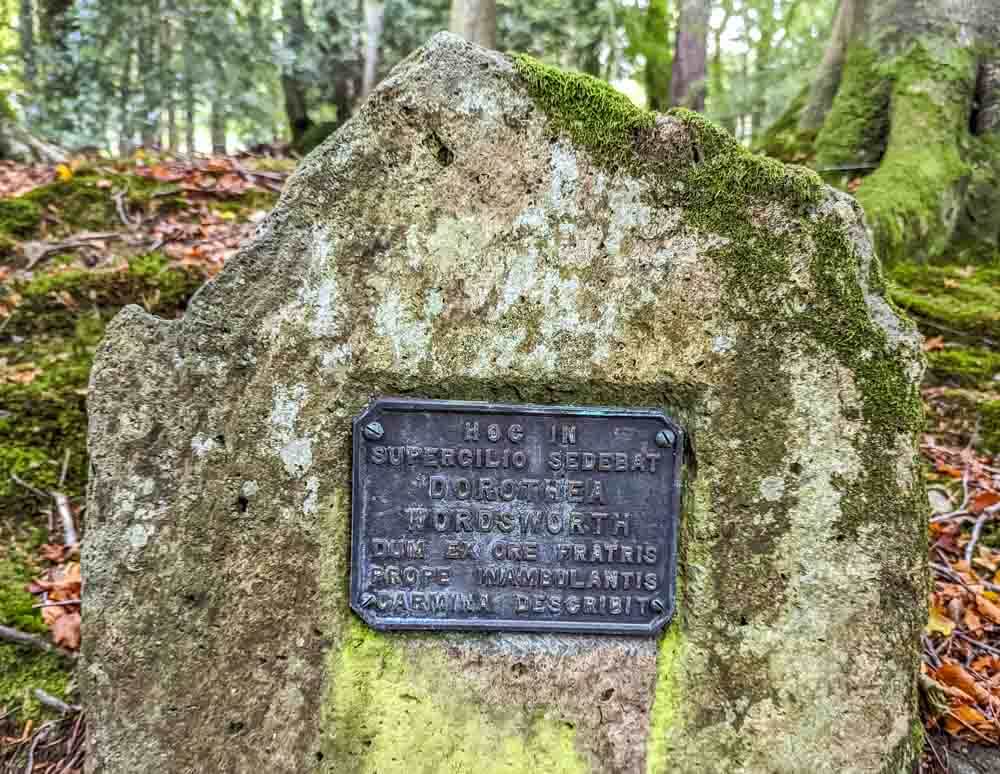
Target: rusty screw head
(373,431)
(664,438)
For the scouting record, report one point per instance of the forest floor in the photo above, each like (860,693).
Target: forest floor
(78,242)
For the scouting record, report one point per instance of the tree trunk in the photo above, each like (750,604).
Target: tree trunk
(987,115)
(26,35)
(687,84)
(374,18)
(292,81)
(167,84)
(475,20)
(848,26)
(219,121)
(190,98)
(125,134)
(906,111)
(149,74)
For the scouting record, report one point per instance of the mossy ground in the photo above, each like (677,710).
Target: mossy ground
(51,320)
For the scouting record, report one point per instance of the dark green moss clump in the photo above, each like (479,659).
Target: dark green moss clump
(23,669)
(19,217)
(58,323)
(953,299)
(784,139)
(593,113)
(313,136)
(858,123)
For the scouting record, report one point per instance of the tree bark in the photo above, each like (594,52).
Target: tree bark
(374,19)
(292,80)
(146,57)
(911,95)
(848,26)
(125,133)
(987,114)
(475,20)
(219,121)
(167,82)
(26,35)
(190,98)
(687,84)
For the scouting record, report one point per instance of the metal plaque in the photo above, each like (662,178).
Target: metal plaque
(526,518)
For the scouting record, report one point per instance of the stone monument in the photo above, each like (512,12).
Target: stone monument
(620,396)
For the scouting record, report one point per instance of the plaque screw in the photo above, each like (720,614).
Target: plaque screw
(664,438)
(373,431)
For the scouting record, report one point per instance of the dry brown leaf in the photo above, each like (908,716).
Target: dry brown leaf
(66,630)
(984,500)
(934,344)
(988,609)
(958,677)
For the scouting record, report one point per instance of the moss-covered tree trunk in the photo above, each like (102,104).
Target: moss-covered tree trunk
(913,115)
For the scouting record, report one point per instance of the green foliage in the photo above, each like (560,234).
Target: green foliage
(649,37)
(594,114)
(313,136)
(784,139)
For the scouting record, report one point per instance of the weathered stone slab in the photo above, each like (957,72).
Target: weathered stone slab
(486,229)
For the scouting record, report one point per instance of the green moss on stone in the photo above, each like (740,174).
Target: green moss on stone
(667,700)
(728,180)
(595,115)
(390,715)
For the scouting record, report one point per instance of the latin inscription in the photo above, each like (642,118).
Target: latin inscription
(484,516)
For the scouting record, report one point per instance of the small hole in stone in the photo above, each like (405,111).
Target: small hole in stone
(743,620)
(607,694)
(235,726)
(242,503)
(519,669)
(796,468)
(319,755)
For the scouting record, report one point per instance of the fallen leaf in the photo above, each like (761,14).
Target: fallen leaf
(988,609)
(957,676)
(951,284)
(984,500)
(66,631)
(64,173)
(939,623)
(934,344)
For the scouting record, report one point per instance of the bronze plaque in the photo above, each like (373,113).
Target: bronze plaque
(524,518)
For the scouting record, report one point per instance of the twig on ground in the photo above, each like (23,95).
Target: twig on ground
(977,643)
(60,603)
(26,485)
(66,517)
(40,734)
(38,251)
(65,467)
(33,640)
(119,197)
(977,529)
(54,703)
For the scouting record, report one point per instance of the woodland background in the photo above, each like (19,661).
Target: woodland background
(142,140)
